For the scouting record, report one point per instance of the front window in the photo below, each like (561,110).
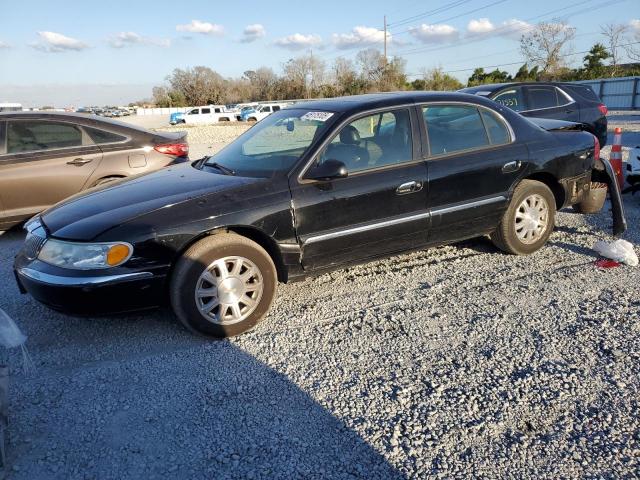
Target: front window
(511,98)
(275,144)
(373,141)
(195,111)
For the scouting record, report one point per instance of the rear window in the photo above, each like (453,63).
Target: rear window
(29,136)
(496,128)
(453,128)
(542,97)
(102,136)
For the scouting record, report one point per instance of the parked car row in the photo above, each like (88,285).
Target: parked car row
(310,188)
(210,114)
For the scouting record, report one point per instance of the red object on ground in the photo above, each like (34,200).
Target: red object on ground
(615,158)
(605,263)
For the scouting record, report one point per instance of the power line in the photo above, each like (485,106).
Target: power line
(435,11)
(456,16)
(520,62)
(506,28)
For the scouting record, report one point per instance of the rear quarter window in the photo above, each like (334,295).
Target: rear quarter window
(100,137)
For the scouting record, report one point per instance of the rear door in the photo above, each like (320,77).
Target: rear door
(380,207)
(473,162)
(547,101)
(44,162)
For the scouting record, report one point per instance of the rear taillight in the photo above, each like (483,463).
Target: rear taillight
(596,148)
(175,149)
(603,109)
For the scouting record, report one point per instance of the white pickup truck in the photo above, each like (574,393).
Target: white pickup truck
(208,114)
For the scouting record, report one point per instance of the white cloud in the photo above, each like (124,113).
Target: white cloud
(56,42)
(437,33)
(298,41)
(635,25)
(252,33)
(128,39)
(480,26)
(205,28)
(512,28)
(4,45)
(360,37)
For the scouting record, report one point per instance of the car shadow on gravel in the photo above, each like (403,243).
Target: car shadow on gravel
(136,396)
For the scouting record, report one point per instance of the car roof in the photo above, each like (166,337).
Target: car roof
(492,87)
(372,101)
(79,118)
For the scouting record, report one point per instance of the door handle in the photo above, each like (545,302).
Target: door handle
(78,162)
(511,166)
(409,187)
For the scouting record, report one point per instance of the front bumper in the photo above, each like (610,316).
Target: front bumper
(84,293)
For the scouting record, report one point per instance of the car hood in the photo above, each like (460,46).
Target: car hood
(85,216)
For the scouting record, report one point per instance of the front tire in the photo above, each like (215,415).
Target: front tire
(223,285)
(528,222)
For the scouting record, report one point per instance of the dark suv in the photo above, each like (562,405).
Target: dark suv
(560,101)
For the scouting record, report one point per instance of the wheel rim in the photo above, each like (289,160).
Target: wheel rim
(532,219)
(229,290)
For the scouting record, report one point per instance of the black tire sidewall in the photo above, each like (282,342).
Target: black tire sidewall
(184,282)
(531,188)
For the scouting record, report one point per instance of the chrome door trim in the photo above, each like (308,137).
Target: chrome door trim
(397,221)
(464,206)
(364,228)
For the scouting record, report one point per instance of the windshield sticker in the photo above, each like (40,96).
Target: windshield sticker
(318,116)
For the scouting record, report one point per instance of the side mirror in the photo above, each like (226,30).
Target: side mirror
(328,170)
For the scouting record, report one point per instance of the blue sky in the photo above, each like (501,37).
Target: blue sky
(67,50)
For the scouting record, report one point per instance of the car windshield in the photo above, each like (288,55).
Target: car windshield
(273,145)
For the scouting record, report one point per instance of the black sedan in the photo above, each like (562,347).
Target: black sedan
(311,188)
(555,100)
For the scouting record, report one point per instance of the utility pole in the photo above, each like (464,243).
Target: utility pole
(385,40)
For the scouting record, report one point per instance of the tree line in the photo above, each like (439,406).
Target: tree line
(545,48)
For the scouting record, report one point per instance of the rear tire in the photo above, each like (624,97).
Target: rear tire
(223,285)
(529,220)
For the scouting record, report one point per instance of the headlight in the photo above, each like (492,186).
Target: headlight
(85,256)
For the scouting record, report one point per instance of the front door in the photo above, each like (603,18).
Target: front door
(380,207)
(473,162)
(44,163)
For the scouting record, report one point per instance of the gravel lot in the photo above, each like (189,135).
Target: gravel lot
(454,362)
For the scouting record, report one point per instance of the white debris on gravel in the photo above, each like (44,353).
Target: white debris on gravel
(455,362)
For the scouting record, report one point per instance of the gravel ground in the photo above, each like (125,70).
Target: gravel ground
(454,362)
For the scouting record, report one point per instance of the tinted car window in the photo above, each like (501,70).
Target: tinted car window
(542,97)
(195,111)
(275,144)
(102,136)
(206,110)
(496,128)
(563,98)
(452,128)
(373,141)
(511,98)
(3,127)
(266,109)
(27,136)
(276,108)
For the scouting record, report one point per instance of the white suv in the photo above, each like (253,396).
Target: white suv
(262,111)
(208,114)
